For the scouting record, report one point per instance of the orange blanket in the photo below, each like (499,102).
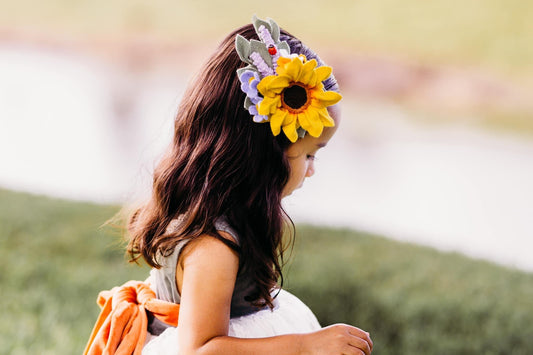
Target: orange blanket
(122,323)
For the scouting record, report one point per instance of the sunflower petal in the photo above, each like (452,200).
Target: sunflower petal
(303,120)
(277,120)
(327,98)
(290,130)
(268,105)
(272,85)
(293,69)
(282,62)
(326,119)
(319,86)
(322,73)
(313,124)
(307,75)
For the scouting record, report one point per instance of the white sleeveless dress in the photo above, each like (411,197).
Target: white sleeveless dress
(289,315)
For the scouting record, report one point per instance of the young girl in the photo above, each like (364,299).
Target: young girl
(245,136)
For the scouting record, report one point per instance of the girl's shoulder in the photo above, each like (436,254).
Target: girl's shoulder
(165,277)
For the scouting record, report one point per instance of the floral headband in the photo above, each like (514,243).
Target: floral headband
(282,88)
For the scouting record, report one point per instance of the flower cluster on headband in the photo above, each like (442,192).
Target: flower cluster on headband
(282,88)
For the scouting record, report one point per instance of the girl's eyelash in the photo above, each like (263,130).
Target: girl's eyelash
(311,157)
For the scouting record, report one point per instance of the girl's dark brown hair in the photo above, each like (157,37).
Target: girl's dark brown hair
(221,164)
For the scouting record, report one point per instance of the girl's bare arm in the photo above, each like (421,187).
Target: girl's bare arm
(206,277)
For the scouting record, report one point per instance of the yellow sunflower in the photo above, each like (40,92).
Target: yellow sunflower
(295,97)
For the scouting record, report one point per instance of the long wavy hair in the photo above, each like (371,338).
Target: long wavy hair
(221,164)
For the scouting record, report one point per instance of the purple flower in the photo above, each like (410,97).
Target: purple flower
(257,117)
(265,36)
(249,80)
(261,65)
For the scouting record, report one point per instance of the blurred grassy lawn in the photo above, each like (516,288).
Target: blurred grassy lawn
(495,34)
(54,259)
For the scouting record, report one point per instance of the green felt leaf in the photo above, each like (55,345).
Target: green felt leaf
(284,45)
(258,22)
(242,46)
(248,103)
(274,30)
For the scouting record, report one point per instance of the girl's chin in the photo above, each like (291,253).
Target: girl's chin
(288,193)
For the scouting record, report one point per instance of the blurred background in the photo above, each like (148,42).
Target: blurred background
(435,145)
(436,141)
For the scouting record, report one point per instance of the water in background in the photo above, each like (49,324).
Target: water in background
(74,127)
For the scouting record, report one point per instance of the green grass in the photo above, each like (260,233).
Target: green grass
(54,259)
(413,300)
(488,33)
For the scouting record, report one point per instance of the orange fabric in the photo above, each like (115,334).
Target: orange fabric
(122,324)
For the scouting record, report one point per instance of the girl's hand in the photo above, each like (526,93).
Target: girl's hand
(337,339)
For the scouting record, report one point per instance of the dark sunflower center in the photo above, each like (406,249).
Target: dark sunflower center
(295,96)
